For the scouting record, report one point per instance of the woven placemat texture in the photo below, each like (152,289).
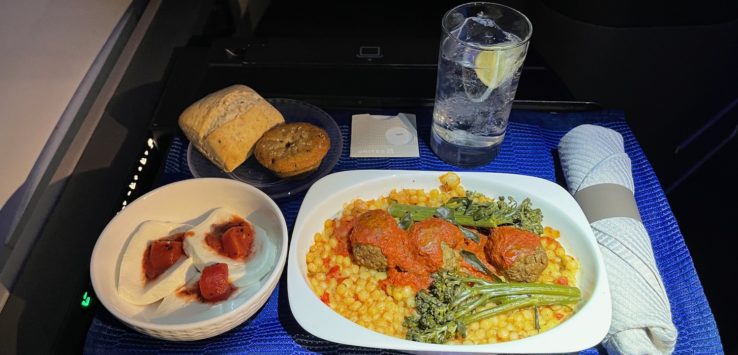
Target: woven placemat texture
(529,148)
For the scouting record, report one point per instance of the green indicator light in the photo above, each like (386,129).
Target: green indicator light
(85,300)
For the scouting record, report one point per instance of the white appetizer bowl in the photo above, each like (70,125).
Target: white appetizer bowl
(584,329)
(187,201)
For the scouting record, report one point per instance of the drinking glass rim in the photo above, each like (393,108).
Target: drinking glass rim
(482,47)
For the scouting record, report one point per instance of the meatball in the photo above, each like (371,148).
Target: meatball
(370,256)
(374,232)
(517,253)
(433,241)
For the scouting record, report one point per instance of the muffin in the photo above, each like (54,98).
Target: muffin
(292,149)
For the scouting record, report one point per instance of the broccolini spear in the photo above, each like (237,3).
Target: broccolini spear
(466,211)
(454,301)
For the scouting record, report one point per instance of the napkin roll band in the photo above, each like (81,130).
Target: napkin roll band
(604,201)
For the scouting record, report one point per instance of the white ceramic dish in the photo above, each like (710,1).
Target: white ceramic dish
(586,328)
(187,201)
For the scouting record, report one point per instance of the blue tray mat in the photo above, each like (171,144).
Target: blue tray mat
(529,149)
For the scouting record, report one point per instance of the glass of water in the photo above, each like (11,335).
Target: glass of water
(479,63)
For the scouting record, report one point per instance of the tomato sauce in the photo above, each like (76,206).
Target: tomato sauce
(162,253)
(190,292)
(416,280)
(426,238)
(414,255)
(508,243)
(478,250)
(375,227)
(341,232)
(233,239)
(379,228)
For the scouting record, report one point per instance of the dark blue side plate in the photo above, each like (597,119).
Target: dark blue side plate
(252,173)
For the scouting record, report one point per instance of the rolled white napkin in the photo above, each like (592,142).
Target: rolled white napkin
(593,156)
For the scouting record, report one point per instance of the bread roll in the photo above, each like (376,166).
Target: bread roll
(225,125)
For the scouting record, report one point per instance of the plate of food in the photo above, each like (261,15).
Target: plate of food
(456,262)
(190,260)
(280,146)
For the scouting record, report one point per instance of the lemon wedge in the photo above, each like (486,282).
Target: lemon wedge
(494,67)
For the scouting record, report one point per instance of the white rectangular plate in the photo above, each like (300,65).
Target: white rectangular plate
(325,199)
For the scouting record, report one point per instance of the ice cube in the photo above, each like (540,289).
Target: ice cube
(482,31)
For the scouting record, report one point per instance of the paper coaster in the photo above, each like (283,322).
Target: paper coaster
(375,136)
